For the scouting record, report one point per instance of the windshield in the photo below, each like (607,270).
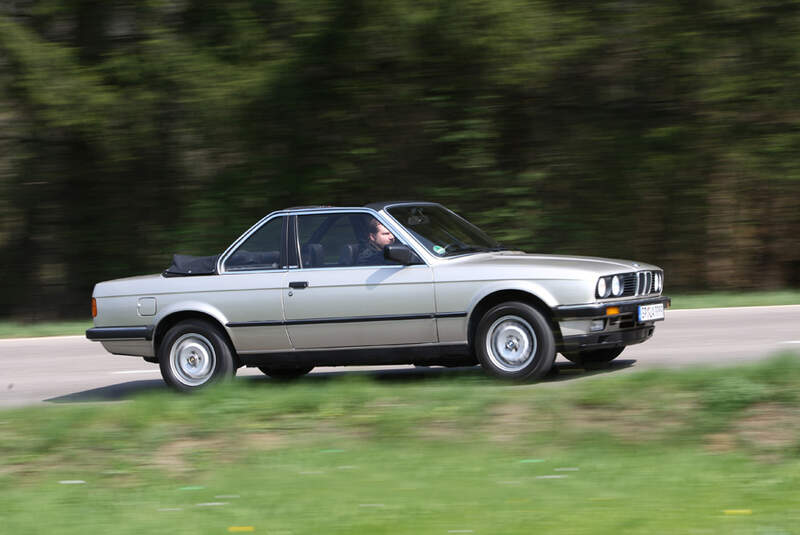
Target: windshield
(441,231)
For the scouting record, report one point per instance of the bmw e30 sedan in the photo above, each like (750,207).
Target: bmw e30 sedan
(387,283)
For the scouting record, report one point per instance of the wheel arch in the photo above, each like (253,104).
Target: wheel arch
(171,319)
(498,296)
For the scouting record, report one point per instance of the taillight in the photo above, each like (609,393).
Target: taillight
(94,307)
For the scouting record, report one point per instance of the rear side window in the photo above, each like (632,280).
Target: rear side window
(262,250)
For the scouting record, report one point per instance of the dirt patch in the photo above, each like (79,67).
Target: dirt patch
(177,457)
(509,421)
(769,426)
(630,424)
(720,442)
(264,441)
(766,429)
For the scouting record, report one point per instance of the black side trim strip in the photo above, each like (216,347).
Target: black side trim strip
(359,319)
(120,333)
(354,319)
(451,315)
(256,324)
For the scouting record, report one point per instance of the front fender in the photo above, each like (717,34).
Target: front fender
(531,287)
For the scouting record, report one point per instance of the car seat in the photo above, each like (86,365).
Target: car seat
(313,255)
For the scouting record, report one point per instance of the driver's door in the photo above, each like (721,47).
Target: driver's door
(332,302)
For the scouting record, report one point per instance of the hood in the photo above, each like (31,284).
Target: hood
(547,265)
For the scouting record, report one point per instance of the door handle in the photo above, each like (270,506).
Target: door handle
(298,285)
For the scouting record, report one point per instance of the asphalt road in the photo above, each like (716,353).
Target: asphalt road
(70,369)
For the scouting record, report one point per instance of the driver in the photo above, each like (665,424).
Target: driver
(378,237)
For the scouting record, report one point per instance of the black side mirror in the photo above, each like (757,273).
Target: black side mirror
(402,254)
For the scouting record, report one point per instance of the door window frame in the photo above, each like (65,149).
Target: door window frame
(294,239)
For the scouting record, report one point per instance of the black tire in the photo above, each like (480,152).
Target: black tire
(285,374)
(596,358)
(201,341)
(514,341)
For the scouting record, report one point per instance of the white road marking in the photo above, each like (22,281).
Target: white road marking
(40,338)
(73,482)
(791,342)
(550,477)
(210,504)
(135,371)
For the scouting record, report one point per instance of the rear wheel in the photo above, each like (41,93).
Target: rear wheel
(286,374)
(514,341)
(595,358)
(193,354)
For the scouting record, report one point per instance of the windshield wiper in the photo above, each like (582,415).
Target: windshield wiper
(469,249)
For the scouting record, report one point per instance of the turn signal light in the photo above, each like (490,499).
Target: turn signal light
(94,307)
(611,311)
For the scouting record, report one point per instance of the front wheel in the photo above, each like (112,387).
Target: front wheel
(514,341)
(596,358)
(193,354)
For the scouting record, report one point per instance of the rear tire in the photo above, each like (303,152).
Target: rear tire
(594,359)
(285,374)
(514,341)
(193,354)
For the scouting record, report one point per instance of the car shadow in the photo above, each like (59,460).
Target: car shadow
(117,392)
(562,371)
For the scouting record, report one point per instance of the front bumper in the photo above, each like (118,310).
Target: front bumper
(598,310)
(625,337)
(622,327)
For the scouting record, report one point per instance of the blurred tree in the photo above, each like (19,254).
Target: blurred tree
(662,131)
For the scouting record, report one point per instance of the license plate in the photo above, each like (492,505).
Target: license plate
(651,312)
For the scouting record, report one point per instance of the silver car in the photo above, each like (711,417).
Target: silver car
(387,283)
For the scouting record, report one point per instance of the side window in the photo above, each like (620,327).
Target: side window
(262,250)
(343,239)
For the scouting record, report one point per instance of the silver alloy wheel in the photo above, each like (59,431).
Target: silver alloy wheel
(192,359)
(511,343)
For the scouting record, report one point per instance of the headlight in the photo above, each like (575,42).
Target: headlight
(602,287)
(616,286)
(659,282)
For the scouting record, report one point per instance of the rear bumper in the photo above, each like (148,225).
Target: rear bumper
(120,333)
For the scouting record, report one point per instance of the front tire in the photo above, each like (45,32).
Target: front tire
(514,341)
(194,353)
(594,359)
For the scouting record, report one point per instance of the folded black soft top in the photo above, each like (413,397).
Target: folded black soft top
(186,266)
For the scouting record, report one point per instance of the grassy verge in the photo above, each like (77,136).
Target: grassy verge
(15,329)
(701,451)
(735,299)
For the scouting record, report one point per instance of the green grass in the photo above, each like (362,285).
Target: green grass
(15,329)
(647,452)
(735,299)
